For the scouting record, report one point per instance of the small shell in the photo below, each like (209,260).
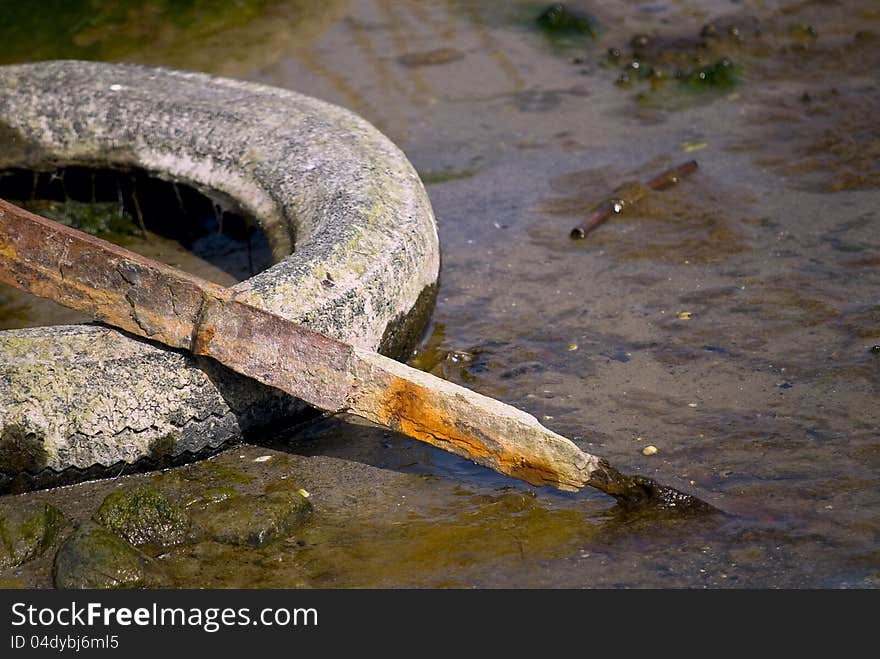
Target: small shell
(650,449)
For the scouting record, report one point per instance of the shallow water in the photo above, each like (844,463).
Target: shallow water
(728,321)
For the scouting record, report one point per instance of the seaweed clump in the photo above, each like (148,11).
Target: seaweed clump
(719,75)
(559,20)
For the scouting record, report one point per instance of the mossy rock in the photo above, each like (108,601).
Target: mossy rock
(93,557)
(143,515)
(253,521)
(27,531)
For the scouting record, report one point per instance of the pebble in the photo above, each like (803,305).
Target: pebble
(650,449)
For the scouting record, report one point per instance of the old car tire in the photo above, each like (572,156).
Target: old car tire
(333,195)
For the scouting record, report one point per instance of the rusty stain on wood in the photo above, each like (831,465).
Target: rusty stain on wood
(161,303)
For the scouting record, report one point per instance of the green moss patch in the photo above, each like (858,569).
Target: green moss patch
(27,531)
(93,557)
(143,515)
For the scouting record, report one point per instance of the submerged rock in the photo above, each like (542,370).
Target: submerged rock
(93,557)
(211,495)
(143,515)
(254,521)
(27,531)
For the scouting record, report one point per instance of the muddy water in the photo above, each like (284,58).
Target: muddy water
(728,321)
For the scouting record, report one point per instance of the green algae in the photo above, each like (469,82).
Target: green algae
(720,75)
(94,557)
(559,20)
(105,220)
(28,531)
(143,515)
(681,88)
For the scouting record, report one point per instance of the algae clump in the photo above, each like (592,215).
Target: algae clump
(721,74)
(143,515)
(105,220)
(558,20)
(93,557)
(28,531)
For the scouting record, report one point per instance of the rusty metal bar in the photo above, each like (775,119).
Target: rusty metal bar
(158,302)
(629,193)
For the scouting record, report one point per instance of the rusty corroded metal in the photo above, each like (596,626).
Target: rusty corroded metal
(466,423)
(629,193)
(158,302)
